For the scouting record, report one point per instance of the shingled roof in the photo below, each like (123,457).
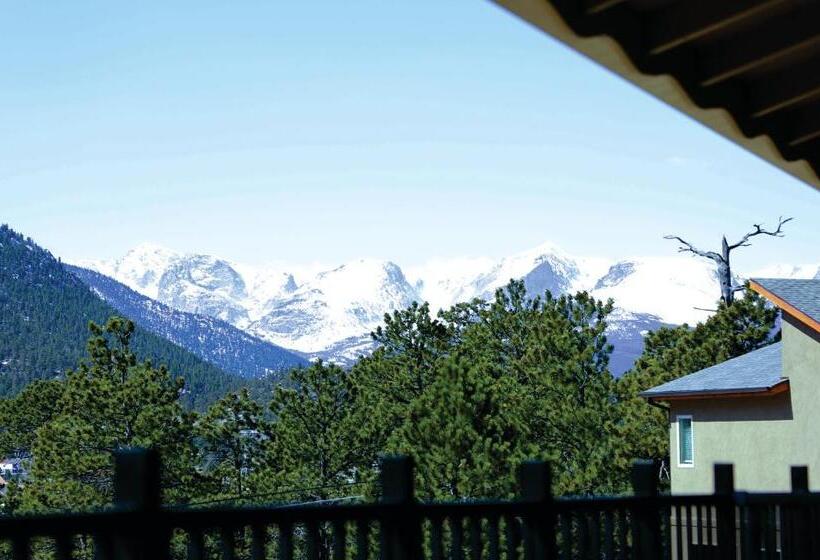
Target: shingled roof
(758,372)
(800,298)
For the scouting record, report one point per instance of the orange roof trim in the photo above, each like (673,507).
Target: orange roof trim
(786,306)
(781,387)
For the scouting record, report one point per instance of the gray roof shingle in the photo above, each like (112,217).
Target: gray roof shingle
(755,371)
(801,294)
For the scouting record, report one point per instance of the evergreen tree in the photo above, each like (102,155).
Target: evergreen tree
(514,377)
(110,402)
(399,371)
(232,436)
(23,415)
(467,433)
(317,446)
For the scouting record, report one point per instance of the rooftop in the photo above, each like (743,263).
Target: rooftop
(800,298)
(758,372)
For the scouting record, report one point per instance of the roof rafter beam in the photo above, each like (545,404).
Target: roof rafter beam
(783,37)
(597,6)
(687,21)
(782,90)
(804,128)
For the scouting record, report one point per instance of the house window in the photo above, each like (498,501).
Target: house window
(686,447)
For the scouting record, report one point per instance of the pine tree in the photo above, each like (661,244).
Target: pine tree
(495,382)
(232,435)
(110,402)
(23,415)
(317,446)
(466,433)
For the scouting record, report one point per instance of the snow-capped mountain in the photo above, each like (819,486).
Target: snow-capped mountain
(140,268)
(329,312)
(344,303)
(445,282)
(675,289)
(204,285)
(215,341)
(800,271)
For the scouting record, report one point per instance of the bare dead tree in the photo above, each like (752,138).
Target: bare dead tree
(724,269)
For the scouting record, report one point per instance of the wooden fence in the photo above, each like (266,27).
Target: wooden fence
(536,526)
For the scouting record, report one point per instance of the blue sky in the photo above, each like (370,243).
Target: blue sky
(326,131)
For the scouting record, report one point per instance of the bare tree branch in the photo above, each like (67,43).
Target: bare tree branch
(738,288)
(689,248)
(760,231)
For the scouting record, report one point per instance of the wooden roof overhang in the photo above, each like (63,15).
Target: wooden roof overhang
(781,387)
(747,69)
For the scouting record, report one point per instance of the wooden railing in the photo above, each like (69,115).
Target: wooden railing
(536,526)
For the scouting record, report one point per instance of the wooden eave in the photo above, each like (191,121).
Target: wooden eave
(780,387)
(747,69)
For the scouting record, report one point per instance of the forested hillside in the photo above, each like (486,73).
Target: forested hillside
(211,339)
(44,317)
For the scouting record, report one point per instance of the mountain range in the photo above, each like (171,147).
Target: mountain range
(329,312)
(44,315)
(211,339)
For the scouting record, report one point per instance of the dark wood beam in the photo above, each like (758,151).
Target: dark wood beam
(784,89)
(807,150)
(805,126)
(688,20)
(597,6)
(774,41)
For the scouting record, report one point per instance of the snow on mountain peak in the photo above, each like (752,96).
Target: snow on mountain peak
(205,285)
(329,311)
(141,267)
(346,302)
(676,289)
(800,271)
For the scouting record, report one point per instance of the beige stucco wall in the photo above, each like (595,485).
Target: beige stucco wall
(763,437)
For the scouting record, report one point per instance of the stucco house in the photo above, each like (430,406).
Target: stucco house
(759,411)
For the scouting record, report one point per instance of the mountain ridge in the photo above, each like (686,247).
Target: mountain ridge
(44,316)
(328,313)
(214,340)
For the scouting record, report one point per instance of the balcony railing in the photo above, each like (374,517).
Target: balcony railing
(536,526)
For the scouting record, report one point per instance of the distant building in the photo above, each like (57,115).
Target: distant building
(11,467)
(758,411)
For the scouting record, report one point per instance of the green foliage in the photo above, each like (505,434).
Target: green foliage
(317,444)
(233,435)
(44,316)
(670,353)
(21,416)
(471,394)
(466,432)
(110,402)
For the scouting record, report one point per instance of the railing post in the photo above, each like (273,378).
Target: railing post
(137,489)
(646,526)
(535,483)
(726,509)
(797,536)
(401,530)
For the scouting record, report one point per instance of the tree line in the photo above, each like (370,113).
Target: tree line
(469,393)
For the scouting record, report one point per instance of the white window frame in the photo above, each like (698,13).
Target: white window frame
(678,418)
